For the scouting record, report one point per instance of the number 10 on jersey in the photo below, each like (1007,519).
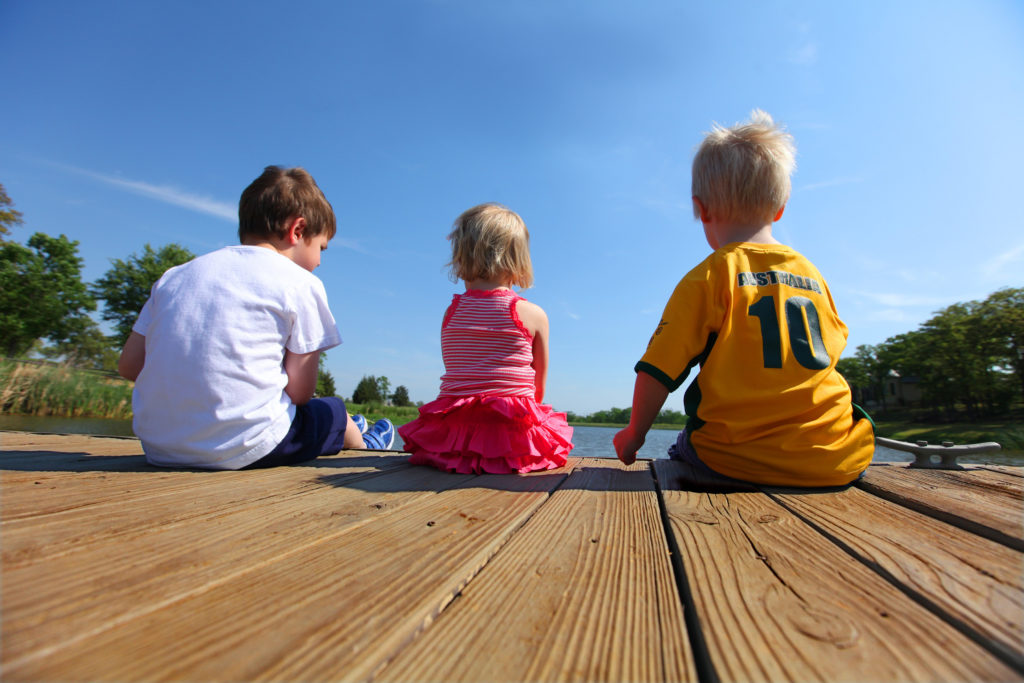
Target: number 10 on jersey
(804,332)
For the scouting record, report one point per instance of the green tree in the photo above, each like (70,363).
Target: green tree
(958,356)
(41,293)
(671,417)
(856,375)
(876,365)
(367,391)
(383,387)
(9,217)
(401,396)
(1003,312)
(126,286)
(88,348)
(325,380)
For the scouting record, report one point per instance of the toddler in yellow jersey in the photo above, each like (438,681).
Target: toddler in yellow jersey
(767,405)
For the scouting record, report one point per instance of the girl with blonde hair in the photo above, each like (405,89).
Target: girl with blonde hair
(489,415)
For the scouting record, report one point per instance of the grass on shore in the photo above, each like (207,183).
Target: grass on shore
(48,389)
(62,391)
(399,415)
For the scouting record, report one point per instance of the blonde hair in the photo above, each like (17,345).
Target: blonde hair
(491,242)
(741,174)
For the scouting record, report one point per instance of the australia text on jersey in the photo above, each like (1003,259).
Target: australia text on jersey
(777,277)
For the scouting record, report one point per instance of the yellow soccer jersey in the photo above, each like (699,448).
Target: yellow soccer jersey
(767,405)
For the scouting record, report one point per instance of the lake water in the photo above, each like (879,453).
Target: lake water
(596,442)
(590,442)
(65,425)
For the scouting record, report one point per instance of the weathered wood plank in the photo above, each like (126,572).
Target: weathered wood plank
(23,456)
(71,512)
(1005,469)
(583,592)
(984,502)
(335,606)
(28,442)
(65,492)
(973,580)
(112,562)
(778,601)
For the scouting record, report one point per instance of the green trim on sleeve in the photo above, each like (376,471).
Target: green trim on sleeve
(670,384)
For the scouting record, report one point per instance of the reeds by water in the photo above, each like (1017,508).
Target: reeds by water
(37,388)
(62,391)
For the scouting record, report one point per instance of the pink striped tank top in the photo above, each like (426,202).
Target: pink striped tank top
(486,349)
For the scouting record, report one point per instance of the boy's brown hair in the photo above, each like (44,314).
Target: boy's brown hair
(277,196)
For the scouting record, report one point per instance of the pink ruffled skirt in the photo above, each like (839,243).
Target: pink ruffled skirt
(495,434)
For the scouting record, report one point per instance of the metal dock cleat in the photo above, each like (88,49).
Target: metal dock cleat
(937,457)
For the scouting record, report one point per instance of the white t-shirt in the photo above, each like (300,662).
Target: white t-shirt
(211,391)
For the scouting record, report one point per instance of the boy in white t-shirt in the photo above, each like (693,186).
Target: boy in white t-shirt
(225,352)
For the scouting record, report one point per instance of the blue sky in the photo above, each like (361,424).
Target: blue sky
(127,123)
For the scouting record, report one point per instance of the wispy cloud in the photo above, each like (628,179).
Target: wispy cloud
(163,193)
(354,245)
(569,312)
(834,182)
(901,300)
(186,200)
(995,266)
(890,315)
(804,55)
(805,51)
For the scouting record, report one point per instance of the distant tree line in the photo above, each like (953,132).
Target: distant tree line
(621,416)
(968,358)
(373,389)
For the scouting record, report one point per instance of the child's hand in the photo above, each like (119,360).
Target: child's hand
(627,443)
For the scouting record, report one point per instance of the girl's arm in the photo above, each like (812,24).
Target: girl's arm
(648,397)
(535,320)
(133,357)
(302,369)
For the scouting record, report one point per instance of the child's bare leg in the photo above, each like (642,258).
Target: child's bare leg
(353,437)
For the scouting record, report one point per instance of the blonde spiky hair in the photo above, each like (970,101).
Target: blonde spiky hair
(742,173)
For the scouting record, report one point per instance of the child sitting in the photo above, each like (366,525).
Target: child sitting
(489,416)
(767,405)
(225,352)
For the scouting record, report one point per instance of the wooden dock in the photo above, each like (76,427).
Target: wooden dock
(359,567)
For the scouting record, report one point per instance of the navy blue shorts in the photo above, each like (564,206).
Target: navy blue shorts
(318,429)
(682,450)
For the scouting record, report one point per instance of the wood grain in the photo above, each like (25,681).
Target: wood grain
(324,599)
(361,566)
(982,501)
(583,592)
(778,601)
(76,572)
(976,580)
